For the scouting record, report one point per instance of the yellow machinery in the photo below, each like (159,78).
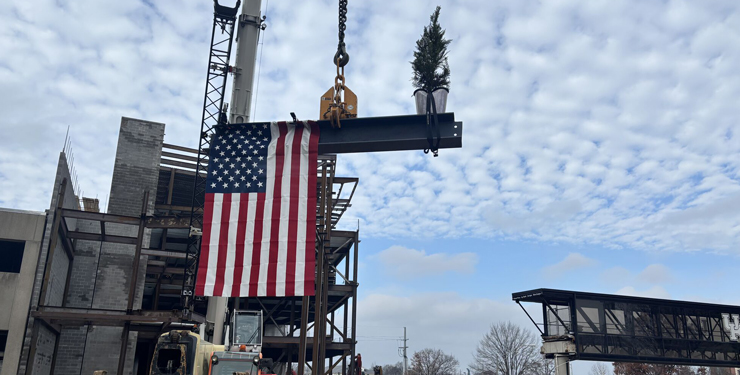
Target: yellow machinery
(183,352)
(186,353)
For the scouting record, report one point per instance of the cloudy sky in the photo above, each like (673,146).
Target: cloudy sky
(600,151)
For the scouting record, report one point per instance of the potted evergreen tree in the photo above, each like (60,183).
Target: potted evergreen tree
(431,70)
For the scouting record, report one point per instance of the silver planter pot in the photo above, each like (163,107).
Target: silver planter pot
(440,100)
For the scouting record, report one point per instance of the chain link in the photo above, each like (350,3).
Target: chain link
(342,21)
(341,58)
(336,109)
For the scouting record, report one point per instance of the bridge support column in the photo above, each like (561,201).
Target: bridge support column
(560,348)
(562,364)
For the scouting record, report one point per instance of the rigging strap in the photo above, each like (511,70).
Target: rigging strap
(432,126)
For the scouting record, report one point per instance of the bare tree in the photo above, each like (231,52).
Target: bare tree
(599,369)
(721,371)
(396,369)
(629,368)
(544,366)
(507,349)
(685,370)
(433,362)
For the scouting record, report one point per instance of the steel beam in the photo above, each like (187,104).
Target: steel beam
(103,318)
(389,133)
(96,216)
(181,221)
(163,253)
(75,235)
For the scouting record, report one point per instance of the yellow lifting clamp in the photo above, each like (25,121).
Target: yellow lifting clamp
(339,101)
(334,105)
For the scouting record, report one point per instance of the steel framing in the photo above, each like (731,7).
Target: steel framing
(56,317)
(336,287)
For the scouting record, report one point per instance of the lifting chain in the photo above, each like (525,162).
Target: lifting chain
(337,110)
(341,58)
(341,101)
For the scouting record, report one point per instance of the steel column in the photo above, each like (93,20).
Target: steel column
(132,284)
(305,305)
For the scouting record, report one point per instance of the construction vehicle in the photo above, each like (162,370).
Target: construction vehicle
(184,352)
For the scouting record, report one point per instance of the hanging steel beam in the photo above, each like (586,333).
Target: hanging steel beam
(390,133)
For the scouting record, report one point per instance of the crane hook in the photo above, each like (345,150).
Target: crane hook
(341,58)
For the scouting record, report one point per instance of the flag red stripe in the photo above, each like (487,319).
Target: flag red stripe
(313,150)
(254,277)
(240,235)
(271,226)
(275,217)
(204,246)
(223,243)
(295,175)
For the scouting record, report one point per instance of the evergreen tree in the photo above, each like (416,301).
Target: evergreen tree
(430,66)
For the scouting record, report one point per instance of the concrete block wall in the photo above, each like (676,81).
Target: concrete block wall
(101,273)
(71,350)
(57,277)
(106,343)
(136,170)
(84,268)
(70,201)
(45,342)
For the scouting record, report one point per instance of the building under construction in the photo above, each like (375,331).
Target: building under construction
(109,283)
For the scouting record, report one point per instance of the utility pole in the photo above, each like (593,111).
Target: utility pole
(405,357)
(247,33)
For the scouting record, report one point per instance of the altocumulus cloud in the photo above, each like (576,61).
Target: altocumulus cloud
(403,262)
(599,122)
(572,262)
(587,123)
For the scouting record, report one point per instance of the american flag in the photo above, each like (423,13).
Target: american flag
(259,220)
